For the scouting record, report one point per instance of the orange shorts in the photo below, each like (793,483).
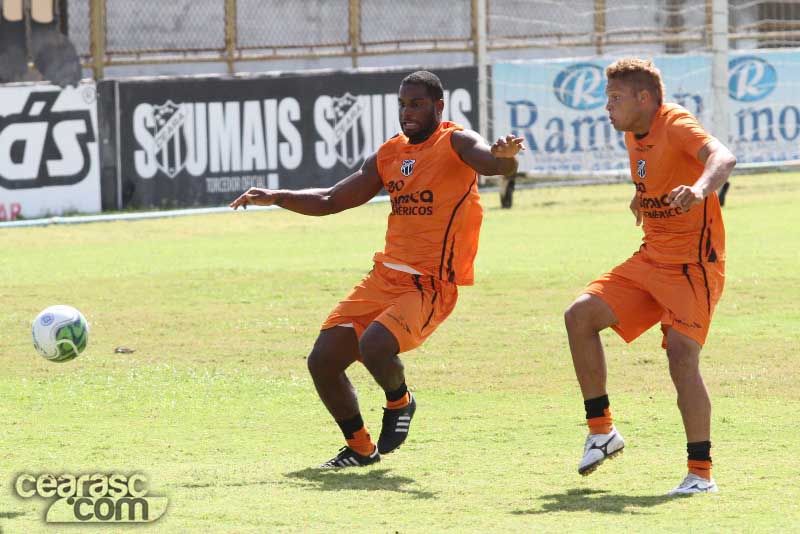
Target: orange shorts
(410,306)
(680,296)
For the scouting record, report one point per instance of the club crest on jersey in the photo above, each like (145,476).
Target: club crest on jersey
(407,167)
(641,171)
(170,142)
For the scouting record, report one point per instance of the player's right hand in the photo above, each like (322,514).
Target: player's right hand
(256,197)
(636,208)
(508,146)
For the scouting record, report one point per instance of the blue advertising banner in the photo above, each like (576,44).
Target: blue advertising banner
(559,107)
(764,107)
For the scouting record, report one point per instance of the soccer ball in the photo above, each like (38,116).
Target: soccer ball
(60,333)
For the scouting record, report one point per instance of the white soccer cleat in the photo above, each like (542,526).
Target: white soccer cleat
(598,448)
(695,484)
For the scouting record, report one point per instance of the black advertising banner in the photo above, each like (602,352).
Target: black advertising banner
(202,141)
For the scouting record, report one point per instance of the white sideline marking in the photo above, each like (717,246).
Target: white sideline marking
(82,219)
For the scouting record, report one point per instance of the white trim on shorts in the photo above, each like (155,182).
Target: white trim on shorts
(401,267)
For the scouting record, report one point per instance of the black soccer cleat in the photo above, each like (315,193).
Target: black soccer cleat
(347,457)
(394,430)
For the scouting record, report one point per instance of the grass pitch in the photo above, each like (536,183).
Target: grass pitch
(216,407)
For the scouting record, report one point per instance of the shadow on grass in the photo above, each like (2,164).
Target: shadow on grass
(588,500)
(373,480)
(198,485)
(10,515)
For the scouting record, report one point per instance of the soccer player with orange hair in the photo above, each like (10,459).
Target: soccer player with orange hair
(430,172)
(676,276)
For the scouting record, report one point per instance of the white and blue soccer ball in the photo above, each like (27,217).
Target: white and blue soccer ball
(60,333)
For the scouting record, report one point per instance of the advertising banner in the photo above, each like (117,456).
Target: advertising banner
(48,151)
(764,120)
(559,107)
(202,141)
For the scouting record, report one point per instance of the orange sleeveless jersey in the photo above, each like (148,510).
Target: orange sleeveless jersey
(664,159)
(436,212)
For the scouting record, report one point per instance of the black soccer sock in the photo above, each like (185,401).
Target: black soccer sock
(397,394)
(699,451)
(596,407)
(351,426)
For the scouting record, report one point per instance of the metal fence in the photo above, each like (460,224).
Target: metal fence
(122,32)
(119,32)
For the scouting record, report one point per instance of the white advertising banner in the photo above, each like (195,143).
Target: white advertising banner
(49,161)
(763,104)
(559,107)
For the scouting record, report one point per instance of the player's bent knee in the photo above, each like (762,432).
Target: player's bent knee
(334,350)
(377,345)
(323,361)
(376,356)
(572,317)
(684,364)
(588,312)
(682,351)
(682,361)
(316,363)
(372,355)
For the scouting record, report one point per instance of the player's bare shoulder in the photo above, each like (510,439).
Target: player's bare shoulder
(464,139)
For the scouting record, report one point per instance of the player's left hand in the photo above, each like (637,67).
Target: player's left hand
(508,146)
(684,197)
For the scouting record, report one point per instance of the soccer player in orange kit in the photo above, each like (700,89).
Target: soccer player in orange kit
(430,172)
(674,279)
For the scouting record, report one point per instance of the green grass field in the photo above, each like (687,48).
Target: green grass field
(216,407)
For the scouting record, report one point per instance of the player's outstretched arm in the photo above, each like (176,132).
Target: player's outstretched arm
(496,160)
(719,162)
(353,191)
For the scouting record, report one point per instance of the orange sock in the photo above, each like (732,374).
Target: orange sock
(361,442)
(601,425)
(402,402)
(701,468)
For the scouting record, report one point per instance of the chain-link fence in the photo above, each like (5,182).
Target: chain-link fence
(121,32)
(267,24)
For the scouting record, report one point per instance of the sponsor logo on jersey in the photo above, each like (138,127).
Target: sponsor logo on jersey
(657,207)
(692,324)
(414,203)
